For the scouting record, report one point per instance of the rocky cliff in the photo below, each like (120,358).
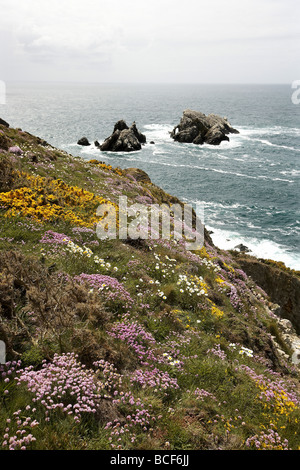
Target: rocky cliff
(131,344)
(282,285)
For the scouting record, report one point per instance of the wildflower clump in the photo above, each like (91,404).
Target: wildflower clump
(44,199)
(64,386)
(104,166)
(269,440)
(154,378)
(112,291)
(18,432)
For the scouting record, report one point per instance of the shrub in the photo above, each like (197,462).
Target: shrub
(7,173)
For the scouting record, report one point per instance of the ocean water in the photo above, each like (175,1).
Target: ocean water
(249,186)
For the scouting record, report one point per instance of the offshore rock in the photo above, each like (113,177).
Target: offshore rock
(197,128)
(124,139)
(83,141)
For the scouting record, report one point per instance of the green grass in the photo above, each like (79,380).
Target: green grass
(42,313)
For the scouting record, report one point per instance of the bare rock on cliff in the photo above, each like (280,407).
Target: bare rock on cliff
(282,285)
(124,139)
(197,128)
(3,123)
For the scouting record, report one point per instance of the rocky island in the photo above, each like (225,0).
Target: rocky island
(197,128)
(124,139)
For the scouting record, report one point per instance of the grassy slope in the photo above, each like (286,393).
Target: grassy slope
(184,341)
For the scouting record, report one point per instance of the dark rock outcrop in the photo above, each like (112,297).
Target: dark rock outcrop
(3,123)
(197,128)
(242,248)
(282,286)
(124,139)
(83,141)
(120,126)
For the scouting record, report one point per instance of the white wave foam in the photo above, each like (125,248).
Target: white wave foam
(246,136)
(290,172)
(275,130)
(217,170)
(261,248)
(158,132)
(266,142)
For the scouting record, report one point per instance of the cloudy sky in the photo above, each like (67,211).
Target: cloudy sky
(180,41)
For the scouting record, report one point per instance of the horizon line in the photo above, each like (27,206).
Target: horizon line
(147,83)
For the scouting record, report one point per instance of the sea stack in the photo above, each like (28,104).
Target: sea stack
(124,139)
(83,141)
(197,128)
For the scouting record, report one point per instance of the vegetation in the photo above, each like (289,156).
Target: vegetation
(126,344)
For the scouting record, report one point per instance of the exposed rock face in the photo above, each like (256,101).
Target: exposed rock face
(197,128)
(242,248)
(120,126)
(124,139)
(291,338)
(83,141)
(282,287)
(3,123)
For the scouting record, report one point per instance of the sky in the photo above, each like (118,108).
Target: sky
(158,41)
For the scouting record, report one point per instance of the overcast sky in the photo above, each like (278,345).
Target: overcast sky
(180,41)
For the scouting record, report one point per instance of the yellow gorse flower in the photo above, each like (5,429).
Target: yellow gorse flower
(45,200)
(102,165)
(216,311)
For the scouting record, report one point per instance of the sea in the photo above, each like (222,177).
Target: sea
(248,187)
